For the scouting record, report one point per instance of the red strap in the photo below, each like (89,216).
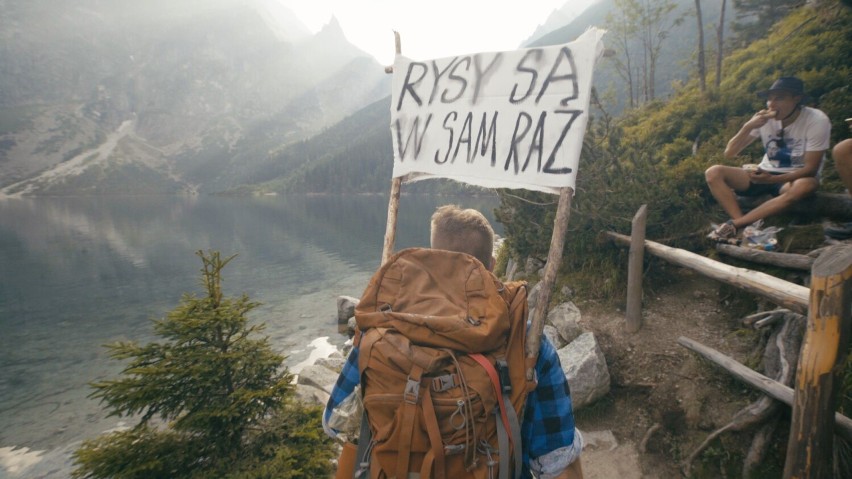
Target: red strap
(495,381)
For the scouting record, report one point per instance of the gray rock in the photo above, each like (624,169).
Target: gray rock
(585,368)
(566,319)
(334,361)
(311,395)
(318,376)
(346,308)
(533,265)
(553,336)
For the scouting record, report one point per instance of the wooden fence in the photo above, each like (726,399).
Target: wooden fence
(827,304)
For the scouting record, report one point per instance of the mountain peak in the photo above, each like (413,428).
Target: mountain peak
(332,28)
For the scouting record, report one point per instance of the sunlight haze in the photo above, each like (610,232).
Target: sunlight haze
(434,29)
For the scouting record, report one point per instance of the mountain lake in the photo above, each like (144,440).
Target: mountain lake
(77,273)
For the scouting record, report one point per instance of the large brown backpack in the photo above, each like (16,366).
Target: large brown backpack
(442,367)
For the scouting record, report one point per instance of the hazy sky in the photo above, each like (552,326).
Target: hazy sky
(430,28)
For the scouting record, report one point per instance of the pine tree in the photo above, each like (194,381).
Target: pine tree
(211,400)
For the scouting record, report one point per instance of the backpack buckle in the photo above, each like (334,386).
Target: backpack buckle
(443,383)
(412,391)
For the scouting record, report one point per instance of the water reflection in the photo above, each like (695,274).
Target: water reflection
(76,273)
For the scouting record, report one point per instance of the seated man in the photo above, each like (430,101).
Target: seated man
(795,138)
(551,445)
(842,155)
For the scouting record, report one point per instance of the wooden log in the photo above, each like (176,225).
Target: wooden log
(783,293)
(634,270)
(770,387)
(836,206)
(783,260)
(554,261)
(811,443)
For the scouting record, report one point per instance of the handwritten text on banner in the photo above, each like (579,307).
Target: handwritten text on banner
(499,120)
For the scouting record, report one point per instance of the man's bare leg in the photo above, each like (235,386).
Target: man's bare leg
(842,155)
(723,181)
(790,194)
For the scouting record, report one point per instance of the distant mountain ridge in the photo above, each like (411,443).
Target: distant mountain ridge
(357,155)
(202,88)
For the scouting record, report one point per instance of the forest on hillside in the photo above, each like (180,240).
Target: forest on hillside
(668,143)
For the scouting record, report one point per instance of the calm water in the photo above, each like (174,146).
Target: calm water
(77,273)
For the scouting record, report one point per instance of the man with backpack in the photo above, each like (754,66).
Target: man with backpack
(440,367)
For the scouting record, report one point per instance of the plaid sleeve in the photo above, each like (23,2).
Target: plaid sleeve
(549,419)
(346,382)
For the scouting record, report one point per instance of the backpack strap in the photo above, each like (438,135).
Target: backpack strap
(434,460)
(508,425)
(495,381)
(362,456)
(410,398)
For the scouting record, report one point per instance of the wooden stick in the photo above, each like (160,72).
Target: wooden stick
(554,261)
(811,442)
(784,260)
(396,184)
(783,293)
(634,270)
(390,229)
(772,388)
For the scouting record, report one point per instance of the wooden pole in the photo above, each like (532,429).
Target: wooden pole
(554,261)
(634,270)
(811,443)
(396,184)
(770,387)
(783,293)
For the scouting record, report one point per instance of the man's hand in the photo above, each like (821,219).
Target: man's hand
(759,119)
(760,177)
(743,137)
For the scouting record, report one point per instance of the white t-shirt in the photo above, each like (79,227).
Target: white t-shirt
(810,131)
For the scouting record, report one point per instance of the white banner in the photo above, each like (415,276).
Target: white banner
(499,120)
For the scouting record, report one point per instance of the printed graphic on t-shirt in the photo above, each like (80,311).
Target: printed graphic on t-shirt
(785,152)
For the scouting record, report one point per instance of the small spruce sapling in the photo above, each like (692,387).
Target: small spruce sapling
(208,398)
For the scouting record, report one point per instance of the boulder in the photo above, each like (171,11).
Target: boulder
(346,308)
(318,376)
(334,361)
(311,395)
(553,336)
(585,368)
(566,319)
(532,266)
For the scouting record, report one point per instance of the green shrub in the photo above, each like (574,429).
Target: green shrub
(211,400)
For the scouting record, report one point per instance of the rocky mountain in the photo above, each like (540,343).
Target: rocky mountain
(356,154)
(164,96)
(559,18)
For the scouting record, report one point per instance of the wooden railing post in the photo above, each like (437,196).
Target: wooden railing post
(634,270)
(811,442)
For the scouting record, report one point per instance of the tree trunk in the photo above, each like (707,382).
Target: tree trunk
(702,69)
(719,44)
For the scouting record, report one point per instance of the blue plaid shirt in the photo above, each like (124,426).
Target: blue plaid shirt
(548,423)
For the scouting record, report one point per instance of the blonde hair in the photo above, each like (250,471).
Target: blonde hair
(463,231)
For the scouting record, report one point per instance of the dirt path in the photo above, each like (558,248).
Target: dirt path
(658,384)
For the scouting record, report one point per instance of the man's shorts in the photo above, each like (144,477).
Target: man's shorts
(760,189)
